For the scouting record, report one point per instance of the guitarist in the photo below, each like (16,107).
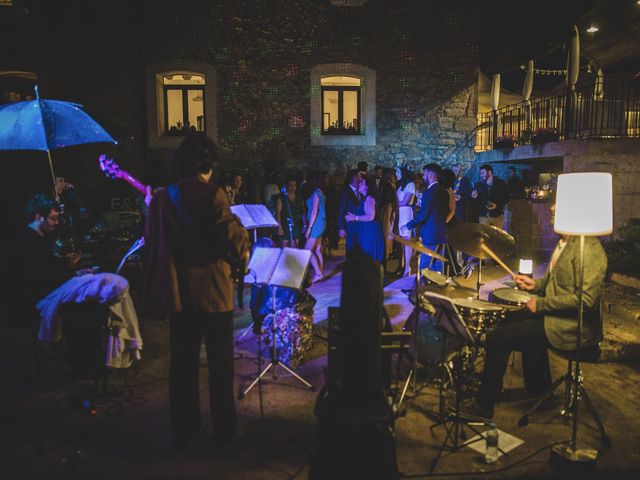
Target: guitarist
(190,234)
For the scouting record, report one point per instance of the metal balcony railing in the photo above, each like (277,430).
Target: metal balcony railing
(610,109)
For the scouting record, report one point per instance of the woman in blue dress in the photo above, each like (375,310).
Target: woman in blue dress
(369,237)
(316,223)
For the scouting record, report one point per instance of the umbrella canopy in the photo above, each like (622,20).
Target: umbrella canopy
(527,87)
(46,125)
(573,59)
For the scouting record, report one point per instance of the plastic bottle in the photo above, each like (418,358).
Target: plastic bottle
(491,450)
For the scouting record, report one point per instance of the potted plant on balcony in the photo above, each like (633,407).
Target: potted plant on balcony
(505,141)
(544,135)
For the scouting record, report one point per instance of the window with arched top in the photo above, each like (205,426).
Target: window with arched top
(181,98)
(16,86)
(343,105)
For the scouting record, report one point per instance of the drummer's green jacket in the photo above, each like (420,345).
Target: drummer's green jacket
(559,289)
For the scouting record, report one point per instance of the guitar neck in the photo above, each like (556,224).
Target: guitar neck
(133,181)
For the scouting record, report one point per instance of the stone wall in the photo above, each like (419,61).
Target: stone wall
(423,52)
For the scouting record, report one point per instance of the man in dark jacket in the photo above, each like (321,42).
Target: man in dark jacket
(349,202)
(192,240)
(492,195)
(432,217)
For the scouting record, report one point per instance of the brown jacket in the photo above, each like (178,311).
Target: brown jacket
(188,266)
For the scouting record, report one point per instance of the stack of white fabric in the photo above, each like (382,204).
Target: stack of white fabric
(124,342)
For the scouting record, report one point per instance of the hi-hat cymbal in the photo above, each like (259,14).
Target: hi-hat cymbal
(470,237)
(418,247)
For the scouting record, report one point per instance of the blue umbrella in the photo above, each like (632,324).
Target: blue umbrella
(46,125)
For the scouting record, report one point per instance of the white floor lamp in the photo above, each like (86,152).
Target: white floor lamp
(583,208)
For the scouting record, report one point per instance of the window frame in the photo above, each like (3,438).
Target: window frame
(367,119)
(185,107)
(341,90)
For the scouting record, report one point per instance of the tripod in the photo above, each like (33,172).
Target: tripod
(275,361)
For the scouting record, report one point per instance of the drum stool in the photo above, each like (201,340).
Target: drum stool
(588,354)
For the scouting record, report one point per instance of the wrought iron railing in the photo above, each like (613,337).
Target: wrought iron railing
(610,109)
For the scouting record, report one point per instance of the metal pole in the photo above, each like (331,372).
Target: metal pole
(576,373)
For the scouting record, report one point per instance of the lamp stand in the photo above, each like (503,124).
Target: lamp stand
(568,456)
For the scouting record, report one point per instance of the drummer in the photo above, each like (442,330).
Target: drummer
(549,319)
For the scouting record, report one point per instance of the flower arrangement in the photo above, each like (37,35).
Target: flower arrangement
(293,334)
(504,141)
(544,134)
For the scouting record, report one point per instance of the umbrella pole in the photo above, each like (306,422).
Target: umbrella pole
(53,175)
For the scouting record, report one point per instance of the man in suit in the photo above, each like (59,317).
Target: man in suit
(349,202)
(492,195)
(432,217)
(550,319)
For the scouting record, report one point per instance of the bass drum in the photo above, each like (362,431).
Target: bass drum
(510,296)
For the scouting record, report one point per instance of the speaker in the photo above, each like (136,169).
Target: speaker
(355,431)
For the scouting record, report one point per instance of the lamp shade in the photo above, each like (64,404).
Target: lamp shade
(584,204)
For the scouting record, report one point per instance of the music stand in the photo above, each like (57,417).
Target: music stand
(254,216)
(277,267)
(451,322)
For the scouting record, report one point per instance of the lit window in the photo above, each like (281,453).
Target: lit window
(184,103)
(343,105)
(633,123)
(17,86)
(340,105)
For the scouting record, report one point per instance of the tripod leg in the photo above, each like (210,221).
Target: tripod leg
(253,384)
(405,387)
(524,419)
(296,375)
(594,414)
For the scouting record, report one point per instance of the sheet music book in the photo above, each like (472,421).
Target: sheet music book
(283,267)
(254,215)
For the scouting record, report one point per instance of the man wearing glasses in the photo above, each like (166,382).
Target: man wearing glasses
(39,270)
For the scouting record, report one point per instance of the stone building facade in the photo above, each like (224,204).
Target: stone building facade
(261,54)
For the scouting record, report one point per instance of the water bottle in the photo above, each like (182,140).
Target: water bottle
(491,450)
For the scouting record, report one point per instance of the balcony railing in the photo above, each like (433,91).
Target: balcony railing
(610,109)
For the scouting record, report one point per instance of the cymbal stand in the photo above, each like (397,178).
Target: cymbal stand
(275,360)
(479,281)
(455,438)
(413,372)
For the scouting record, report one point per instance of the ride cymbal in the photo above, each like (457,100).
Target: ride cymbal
(469,238)
(418,247)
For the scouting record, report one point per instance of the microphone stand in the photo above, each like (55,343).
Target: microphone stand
(290,218)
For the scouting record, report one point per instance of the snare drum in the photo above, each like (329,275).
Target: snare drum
(480,316)
(510,296)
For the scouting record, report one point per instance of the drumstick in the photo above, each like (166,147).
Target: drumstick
(495,257)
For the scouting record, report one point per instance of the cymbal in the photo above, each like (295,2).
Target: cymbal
(470,237)
(449,291)
(418,247)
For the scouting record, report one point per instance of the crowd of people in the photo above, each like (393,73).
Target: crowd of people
(371,208)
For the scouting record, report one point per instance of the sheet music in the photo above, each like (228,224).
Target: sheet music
(254,216)
(261,215)
(284,267)
(291,268)
(262,263)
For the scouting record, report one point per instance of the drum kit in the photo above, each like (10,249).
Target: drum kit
(480,316)
(445,303)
